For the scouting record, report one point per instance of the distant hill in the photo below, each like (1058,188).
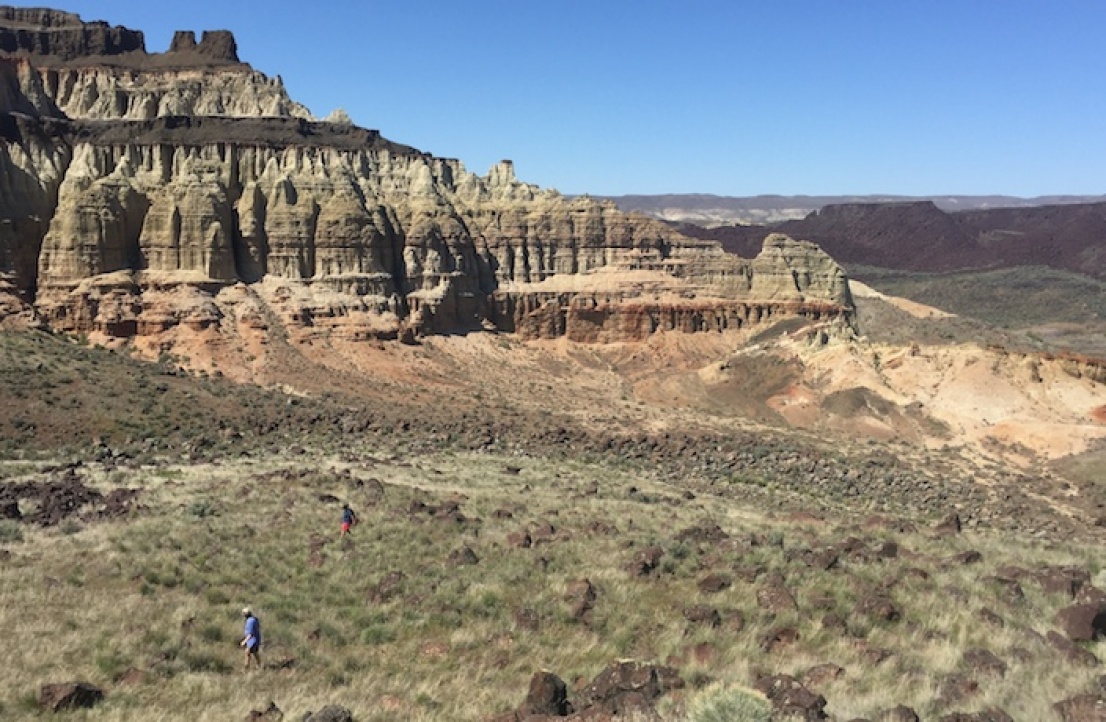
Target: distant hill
(705,209)
(920,236)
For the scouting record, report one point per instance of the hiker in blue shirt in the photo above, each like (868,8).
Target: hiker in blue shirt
(349,519)
(252,639)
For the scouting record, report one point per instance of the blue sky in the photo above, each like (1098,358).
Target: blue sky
(909,97)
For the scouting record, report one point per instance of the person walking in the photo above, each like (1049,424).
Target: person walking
(349,519)
(251,640)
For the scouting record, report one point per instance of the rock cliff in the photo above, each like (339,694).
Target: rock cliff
(130,181)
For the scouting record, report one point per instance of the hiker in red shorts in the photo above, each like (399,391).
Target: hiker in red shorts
(349,519)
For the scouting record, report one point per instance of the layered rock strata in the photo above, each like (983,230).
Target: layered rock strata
(127,177)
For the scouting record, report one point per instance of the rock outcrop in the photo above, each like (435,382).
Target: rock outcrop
(131,180)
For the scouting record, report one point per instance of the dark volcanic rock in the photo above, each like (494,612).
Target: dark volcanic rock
(272,713)
(956,687)
(1082,622)
(581,596)
(463,557)
(1073,652)
(628,687)
(703,614)
(714,583)
(548,695)
(1062,580)
(69,695)
(964,558)
(330,713)
(775,597)
(822,674)
(790,699)
(1082,708)
(645,561)
(983,662)
(878,606)
(778,637)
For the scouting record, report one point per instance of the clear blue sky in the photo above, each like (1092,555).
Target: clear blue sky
(908,97)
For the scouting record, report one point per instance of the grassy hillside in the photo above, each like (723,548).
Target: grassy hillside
(399,621)
(143,507)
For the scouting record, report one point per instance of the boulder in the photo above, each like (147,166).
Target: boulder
(1082,622)
(69,695)
(519,539)
(1082,708)
(714,583)
(983,662)
(948,526)
(790,699)
(581,596)
(1062,580)
(645,562)
(878,607)
(548,695)
(703,614)
(464,556)
(967,557)
(628,687)
(778,637)
(1071,651)
(330,713)
(775,597)
(821,674)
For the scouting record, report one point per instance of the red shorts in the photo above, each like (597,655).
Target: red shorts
(345,527)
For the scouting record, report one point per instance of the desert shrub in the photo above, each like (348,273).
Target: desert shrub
(728,704)
(10,531)
(201,509)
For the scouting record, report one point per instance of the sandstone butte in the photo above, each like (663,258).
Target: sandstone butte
(143,191)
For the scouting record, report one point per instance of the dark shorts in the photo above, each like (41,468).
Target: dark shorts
(253,650)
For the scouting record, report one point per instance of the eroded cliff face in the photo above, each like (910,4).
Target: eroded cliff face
(132,181)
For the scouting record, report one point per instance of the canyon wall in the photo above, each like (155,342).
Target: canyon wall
(126,175)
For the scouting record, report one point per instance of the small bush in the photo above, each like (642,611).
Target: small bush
(10,531)
(201,509)
(728,704)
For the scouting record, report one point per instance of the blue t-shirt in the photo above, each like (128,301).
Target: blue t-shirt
(347,515)
(253,631)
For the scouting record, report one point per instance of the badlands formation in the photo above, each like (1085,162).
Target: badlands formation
(181,205)
(138,188)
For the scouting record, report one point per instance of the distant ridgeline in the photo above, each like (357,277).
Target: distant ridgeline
(942,233)
(142,192)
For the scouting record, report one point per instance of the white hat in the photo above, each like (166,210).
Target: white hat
(246,611)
